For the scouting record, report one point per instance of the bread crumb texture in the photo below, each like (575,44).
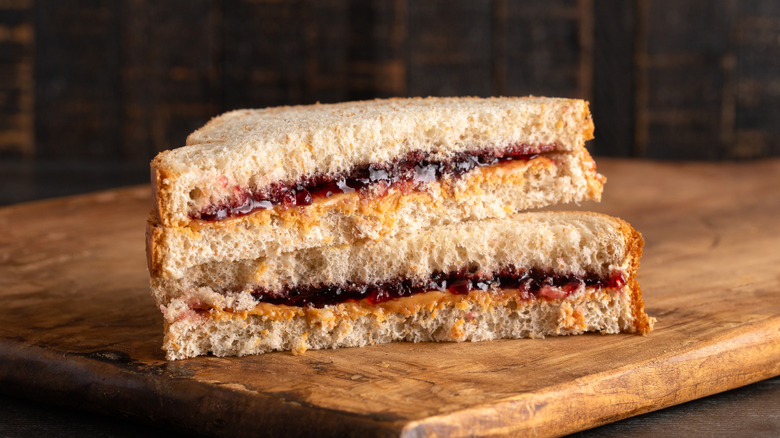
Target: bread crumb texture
(433,316)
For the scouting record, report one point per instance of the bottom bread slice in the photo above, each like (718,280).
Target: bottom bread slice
(432,316)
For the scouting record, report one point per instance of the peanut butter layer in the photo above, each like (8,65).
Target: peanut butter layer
(529,283)
(431,301)
(408,172)
(380,201)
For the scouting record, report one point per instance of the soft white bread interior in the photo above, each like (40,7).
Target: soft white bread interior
(494,192)
(255,148)
(202,317)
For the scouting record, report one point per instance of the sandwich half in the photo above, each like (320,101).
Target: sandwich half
(260,183)
(525,275)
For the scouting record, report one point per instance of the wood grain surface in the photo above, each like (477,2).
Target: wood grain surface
(79,327)
(117,80)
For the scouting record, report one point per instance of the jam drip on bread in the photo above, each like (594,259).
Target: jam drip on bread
(409,172)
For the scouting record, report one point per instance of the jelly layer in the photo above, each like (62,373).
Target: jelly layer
(413,170)
(531,283)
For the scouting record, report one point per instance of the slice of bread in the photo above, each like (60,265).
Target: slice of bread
(253,149)
(491,192)
(213,306)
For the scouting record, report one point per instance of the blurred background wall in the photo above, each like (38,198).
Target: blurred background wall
(91,90)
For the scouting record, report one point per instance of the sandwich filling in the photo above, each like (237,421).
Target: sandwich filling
(408,173)
(531,283)
(475,296)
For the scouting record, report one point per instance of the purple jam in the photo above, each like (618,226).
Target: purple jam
(415,169)
(530,282)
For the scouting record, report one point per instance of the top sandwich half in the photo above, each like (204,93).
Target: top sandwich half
(250,161)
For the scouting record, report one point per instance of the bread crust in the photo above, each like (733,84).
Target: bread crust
(635,243)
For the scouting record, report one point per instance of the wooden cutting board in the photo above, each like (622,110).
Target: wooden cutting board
(78,327)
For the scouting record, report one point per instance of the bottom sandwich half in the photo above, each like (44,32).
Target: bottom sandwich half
(530,275)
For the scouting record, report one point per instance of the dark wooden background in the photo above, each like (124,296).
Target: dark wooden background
(91,90)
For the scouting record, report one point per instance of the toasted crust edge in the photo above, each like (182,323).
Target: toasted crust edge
(154,251)
(635,242)
(161,192)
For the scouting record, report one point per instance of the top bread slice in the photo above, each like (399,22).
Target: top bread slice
(257,148)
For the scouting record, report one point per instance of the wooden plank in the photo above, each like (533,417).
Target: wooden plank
(684,75)
(80,328)
(548,49)
(449,48)
(756,61)
(263,68)
(377,56)
(326,46)
(17,84)
(111,81)
(76,80)
(746,411)
(170,73)
(299,57)
(613,104)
